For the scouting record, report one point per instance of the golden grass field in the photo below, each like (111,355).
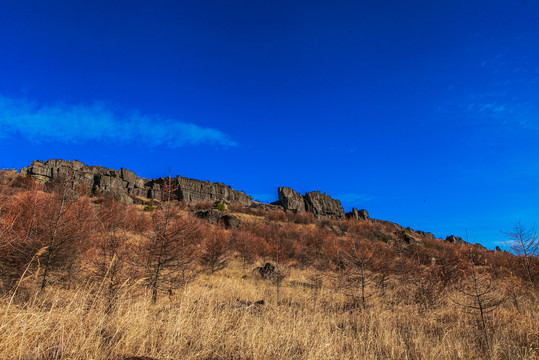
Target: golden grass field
(212,319)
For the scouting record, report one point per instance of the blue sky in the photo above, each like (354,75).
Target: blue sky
(425,113)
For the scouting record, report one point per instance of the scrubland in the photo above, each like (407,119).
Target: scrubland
(89,278)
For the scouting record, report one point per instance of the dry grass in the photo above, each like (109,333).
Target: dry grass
(212,319)
(250,218)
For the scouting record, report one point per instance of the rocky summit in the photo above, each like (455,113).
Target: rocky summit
(127,184)
(129,187)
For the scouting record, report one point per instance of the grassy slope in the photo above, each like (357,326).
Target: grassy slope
(210,320)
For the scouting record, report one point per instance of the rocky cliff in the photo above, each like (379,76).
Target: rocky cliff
(290,200)
(126,182)
(128,186)
(321,205)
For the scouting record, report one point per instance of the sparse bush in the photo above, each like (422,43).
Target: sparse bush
(150,206)
(221,206)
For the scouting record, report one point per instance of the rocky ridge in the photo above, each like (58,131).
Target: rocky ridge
(129,187)
(127,184)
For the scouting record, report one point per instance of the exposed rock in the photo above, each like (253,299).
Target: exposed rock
(100,179)
(266,271)
(427,235)
(130,177)
(358,214)
(125,199)
(291,200)
(215,217)
(322,205)
(193,191)
(266,207)
(407,235)
(455,239)
(363,214)
(498,249)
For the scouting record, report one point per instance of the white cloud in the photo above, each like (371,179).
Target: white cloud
(71,124)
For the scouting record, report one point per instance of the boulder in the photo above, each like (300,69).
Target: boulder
(455,239)
(358,214)
(216,217)
(125,199)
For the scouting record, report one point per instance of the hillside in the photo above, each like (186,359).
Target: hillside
(93,265)
(128,188)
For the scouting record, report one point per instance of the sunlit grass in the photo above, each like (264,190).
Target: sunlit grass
(212,319)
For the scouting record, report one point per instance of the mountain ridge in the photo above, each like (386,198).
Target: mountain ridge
(129,188)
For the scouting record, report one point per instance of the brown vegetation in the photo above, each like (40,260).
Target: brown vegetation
(90,278)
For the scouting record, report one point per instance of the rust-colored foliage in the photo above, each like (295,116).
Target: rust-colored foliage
(215,247)
(59,233)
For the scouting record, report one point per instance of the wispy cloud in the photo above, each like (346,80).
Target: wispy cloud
(71,124)
(502,111)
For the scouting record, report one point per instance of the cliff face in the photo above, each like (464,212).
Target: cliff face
(100,179)
(128,185)
(321,205)
(291,200)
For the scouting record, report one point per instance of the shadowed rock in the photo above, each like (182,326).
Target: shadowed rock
(266,271)
(455,240)
(215,217)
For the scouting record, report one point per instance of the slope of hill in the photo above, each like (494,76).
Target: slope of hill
(84,275)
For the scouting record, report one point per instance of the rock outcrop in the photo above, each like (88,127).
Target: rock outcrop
(121,182)
(427,235)
(266,207)
(358,214)
(215,217)
(455,240)
(291,200)
(193,191)
(129,188)
(322,205)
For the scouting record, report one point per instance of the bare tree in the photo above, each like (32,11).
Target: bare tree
(214,252)
(169,249)
(242,243)
(524,242)
(53,225)
(111,248)
(358,273)
(427,286)
(65,223)
(481,296)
